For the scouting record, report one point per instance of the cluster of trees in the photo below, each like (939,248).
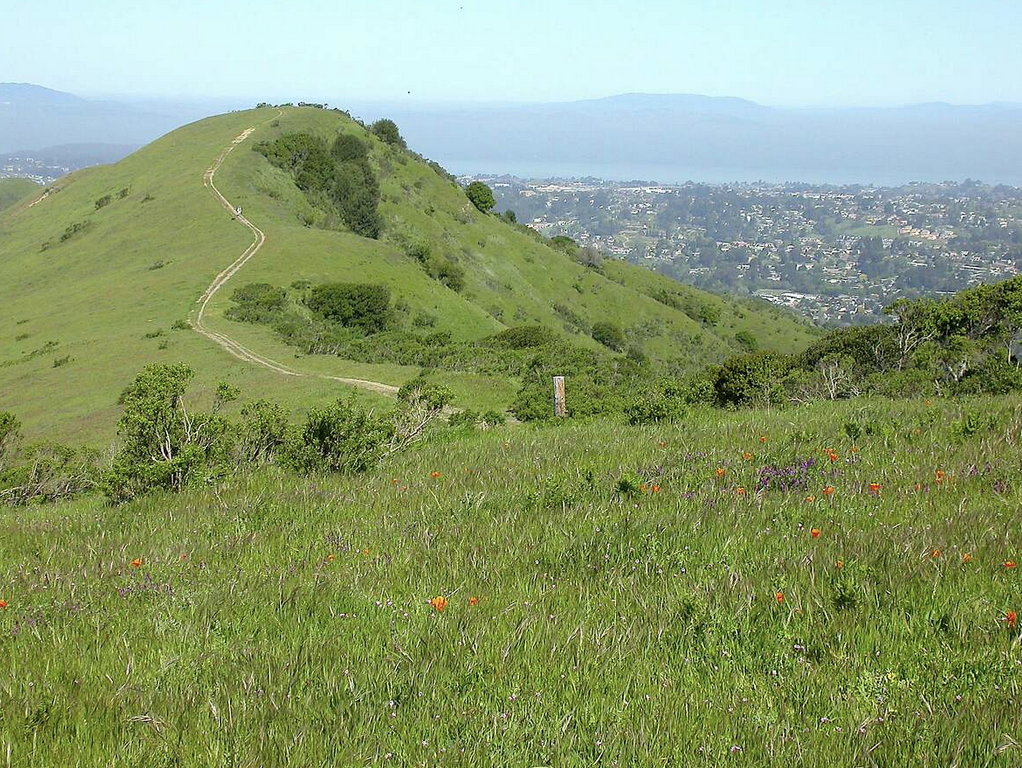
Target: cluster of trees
(337,175)
(168,445)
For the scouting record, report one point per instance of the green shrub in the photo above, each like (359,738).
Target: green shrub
(361,305)
(609,335)
(665,403)
(387,132)
(341,437)
(104,201)
(481,196)
(752,379)
(523,337)
(164,444)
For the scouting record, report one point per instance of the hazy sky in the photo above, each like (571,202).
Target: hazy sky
(783,52)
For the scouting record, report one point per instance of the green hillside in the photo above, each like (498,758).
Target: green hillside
(13,191)
(95,278)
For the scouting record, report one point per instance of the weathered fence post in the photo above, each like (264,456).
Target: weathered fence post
(560,404)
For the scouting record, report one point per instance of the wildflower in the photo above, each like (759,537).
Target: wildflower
(720,471)
(434,474)
(330,558)
(642,487)
(832,456)
(815,533)
(663,444)
(967,558)
(137,562)
(3,605)
(365,551)
(854,449)
(439,603)
(840,564)
(656,489)
(940,476)
(810,499)
(1012,619)
(779,597)
(740,491)
(763,438)
(935,554)
(1009,564)
(828,491)
(874,488)
(473,601)
(747,456)
(184,556)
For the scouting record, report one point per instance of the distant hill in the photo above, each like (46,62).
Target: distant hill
(99,278)
(33,117)
(680,137)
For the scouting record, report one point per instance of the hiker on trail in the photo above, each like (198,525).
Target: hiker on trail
(237,211)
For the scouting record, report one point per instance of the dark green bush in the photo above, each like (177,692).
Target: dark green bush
(387,131)
(609,335)
(523,337)
(481,196)
(342,437)
(361,305)
(752,379)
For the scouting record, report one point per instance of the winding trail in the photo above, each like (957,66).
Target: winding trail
(233,346)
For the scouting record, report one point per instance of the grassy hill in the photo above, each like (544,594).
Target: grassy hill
(715,593)
(13,191)
(95,278)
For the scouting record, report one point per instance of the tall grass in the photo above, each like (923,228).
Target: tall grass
(611,599)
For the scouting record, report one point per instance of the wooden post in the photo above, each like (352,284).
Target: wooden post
(560,404)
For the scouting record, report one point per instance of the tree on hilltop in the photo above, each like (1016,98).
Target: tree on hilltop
(386,131)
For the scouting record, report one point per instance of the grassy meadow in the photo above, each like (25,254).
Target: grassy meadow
(828,585)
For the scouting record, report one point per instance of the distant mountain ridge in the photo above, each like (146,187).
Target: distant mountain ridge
(686,137)
(34,117)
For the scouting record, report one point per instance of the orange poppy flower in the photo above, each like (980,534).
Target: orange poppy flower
(779,597)
(473,601)
(184,556)
(815,533)
(663,444)
(434,474)
(854,449)
(1012,619)
(3,605)
(137,562)
(656,489)
(935,554)
(763,438)
(642,487)
(832,457)
(840,564)
(439,602)
(365,551)
(966,558)
(940,476)
(747,456)
(740,491)
(828,491)
(720,471)
(330,558)
(874,487)
(810,499)
(1009,564)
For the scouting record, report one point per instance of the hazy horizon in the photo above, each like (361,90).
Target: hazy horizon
(804,54)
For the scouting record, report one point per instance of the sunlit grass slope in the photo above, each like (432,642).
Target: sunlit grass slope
(89,291)
(717,593)
(13,191)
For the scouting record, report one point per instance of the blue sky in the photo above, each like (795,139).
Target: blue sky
(781,52)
